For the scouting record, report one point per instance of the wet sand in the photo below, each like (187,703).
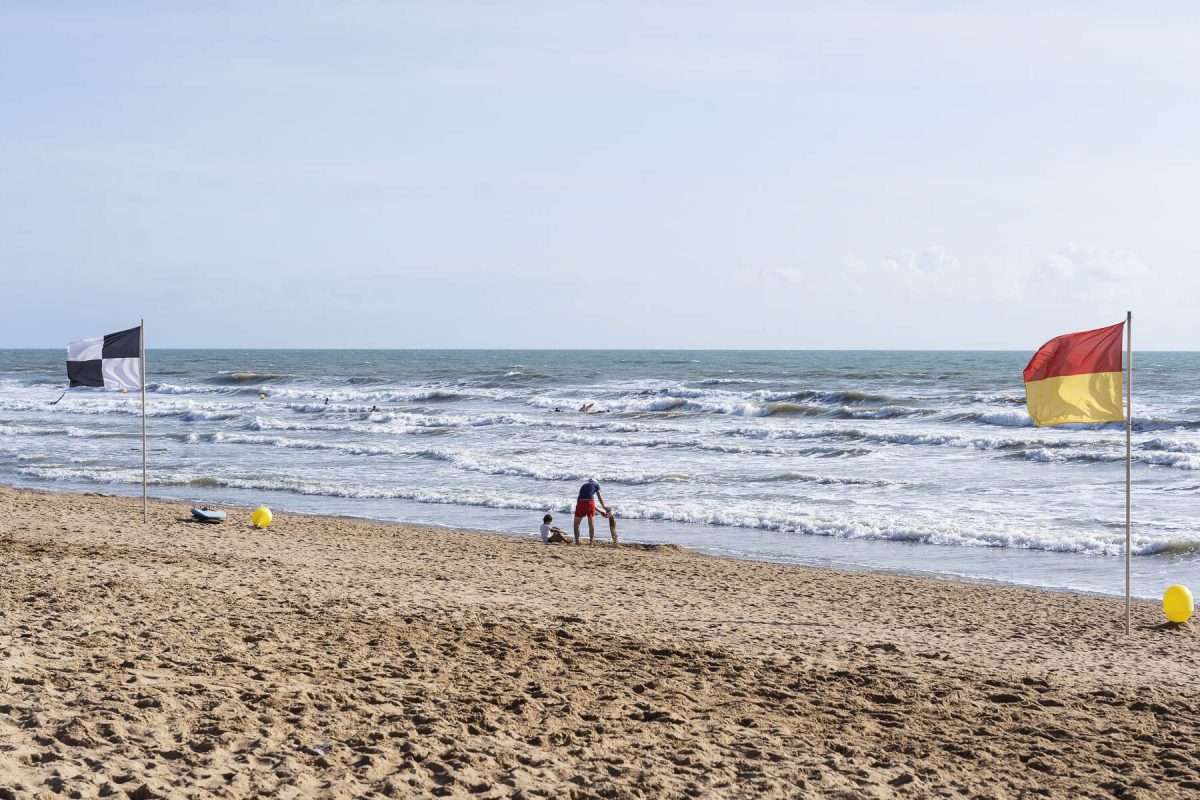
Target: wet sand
(329,657)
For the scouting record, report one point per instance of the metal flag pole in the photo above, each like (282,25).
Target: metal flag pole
(1128,451)
(145,505)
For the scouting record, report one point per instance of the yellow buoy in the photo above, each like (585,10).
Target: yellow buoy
(261,516)
(1177,603)
(262,397)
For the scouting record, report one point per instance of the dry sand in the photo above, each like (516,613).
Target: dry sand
(180,660)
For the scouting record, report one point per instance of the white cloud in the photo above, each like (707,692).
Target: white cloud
(934,265)
(1094,265)
(1081,272)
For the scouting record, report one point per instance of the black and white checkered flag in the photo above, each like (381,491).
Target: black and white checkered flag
(113,361)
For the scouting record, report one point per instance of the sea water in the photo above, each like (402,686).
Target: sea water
(921,462)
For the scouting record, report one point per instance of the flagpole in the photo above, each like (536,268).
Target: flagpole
(145,505)
(1128,453)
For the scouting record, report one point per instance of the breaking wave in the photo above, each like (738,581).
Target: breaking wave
(912,528)
(460,459)
(242,378)
(789,444)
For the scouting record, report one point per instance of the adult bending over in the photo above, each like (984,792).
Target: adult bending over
(585,506)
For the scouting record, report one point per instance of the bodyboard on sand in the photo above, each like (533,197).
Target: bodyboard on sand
(204,515)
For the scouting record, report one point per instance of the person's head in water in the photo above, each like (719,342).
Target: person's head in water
(547,519)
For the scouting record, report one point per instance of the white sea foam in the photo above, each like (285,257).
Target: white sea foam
(998,399)
(755,404)
(61,472)
(70,431)
(1184,461)
(618,441)
(196,415)
(393,426)
(702,446)
(873,451)
(850,525)
(927,439)
(1189,461)
(828,480)
(1170,446)
(1005,418)
(460,459)
(725,381)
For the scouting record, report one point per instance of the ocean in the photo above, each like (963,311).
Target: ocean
(918,462)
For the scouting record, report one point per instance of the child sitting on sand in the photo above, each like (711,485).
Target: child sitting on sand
(551,535)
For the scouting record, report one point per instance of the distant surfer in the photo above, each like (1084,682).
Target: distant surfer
(585,408)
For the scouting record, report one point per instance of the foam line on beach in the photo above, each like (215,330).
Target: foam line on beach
(843,525)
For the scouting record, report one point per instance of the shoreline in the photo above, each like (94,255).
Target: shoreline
(187,660)
(602,536)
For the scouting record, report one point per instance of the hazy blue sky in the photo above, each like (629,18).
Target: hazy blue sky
(743,174)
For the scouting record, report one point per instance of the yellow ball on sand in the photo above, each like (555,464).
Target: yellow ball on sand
(1177,603)
(261,516)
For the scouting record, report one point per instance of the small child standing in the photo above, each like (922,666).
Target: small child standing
(611,513)
(551,535)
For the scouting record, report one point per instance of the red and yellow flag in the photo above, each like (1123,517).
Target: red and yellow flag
(1077,378)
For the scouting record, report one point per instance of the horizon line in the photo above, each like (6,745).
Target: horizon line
(616,349)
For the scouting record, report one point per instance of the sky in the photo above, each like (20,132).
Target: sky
(926,175)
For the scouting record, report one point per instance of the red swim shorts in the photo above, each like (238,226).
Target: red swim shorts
(585,508)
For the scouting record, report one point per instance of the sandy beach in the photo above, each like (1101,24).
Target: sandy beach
(329,657)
